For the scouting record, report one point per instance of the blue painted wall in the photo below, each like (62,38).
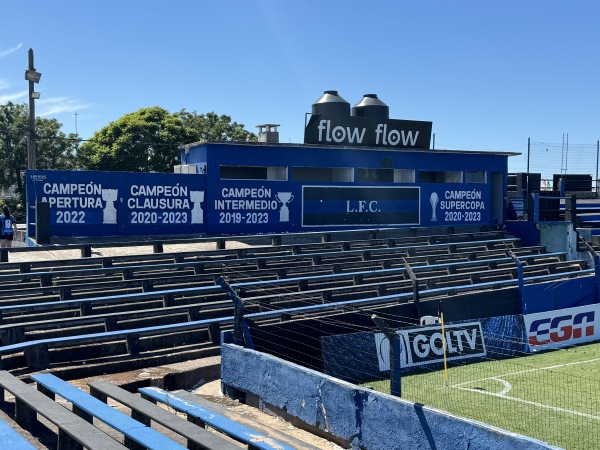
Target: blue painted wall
(558,295)
(363,418)
(524,230)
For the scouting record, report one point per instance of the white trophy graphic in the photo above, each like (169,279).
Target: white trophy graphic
(109,214)
(433,199)
(284,212)
(197,197)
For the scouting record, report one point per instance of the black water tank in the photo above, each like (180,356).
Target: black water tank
(371,106)
(332,104)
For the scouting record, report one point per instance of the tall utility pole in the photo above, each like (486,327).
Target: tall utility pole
(597,156)
(528,154)
(565,154)
(33,77)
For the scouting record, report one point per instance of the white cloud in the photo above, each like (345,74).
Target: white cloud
(7,52)
(13,97)
(59,105)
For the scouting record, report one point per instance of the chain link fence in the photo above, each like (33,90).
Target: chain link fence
(552,160)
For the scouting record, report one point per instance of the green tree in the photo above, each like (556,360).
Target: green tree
(54,150)
(212,127)
(149,140)
(13,145)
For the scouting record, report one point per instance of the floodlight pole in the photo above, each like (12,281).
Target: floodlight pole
(31,157)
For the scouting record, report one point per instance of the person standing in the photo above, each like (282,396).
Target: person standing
(8,228)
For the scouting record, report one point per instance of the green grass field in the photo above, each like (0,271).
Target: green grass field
(552,396)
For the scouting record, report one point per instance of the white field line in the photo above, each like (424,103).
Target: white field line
(507,387)
(536,369)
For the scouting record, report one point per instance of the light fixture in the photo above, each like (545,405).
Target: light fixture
(32,75)
(35,95)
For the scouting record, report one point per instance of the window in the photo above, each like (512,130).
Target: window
(475,176)
(427,176)
(375,175)
(323,174)
(366,175)
(404,176)
(278,173)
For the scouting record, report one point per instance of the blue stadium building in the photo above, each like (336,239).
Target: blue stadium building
(353,170)
(356,168)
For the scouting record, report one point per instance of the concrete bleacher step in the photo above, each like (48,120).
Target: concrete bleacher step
(75,356)
(423,235)
(589,216)
(176,431)
(586,204)
(328,277)
(594,231)
(49,325)
(588,213)
(145,410)
(63,288)
(202,412)
(84,355)
(245,420)
(589,234)
(327,291)
(54,276)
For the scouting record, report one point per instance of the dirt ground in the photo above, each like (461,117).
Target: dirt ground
(212,392)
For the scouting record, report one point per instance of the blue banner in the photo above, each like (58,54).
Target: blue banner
(251,207)
(236,206)
(454,204)
(361,205)
(91,203)
(88,203)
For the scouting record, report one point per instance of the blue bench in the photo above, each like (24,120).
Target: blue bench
(147,412)
(12,440)
(73,431)
(204,416)
(89,407)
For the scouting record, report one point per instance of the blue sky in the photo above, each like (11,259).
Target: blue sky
(488,74)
